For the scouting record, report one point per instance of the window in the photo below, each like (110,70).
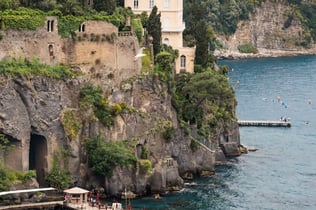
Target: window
(182,61)
(50,25)
(82,28)
(135,4)
(166,22)
(166,4)
(51,50)
(166,41)
(151,4)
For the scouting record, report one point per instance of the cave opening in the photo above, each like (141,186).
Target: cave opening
(37,157)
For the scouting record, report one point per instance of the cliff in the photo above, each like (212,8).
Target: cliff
(33,115)
(274,29)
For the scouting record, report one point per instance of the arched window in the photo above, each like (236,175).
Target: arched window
(51,50)
(182,61)
(50,25)
(82,28)
(166,41)
(135,4)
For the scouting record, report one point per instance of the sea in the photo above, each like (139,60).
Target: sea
(281,174)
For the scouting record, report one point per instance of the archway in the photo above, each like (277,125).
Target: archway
(37,157)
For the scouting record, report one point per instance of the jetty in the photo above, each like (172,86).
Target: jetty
(264,123)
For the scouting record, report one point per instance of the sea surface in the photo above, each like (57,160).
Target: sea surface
(281,174)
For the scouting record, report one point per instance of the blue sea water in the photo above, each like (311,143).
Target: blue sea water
(281,174)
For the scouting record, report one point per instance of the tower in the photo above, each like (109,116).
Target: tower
(172,27)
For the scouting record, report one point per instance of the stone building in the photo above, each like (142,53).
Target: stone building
(172,28)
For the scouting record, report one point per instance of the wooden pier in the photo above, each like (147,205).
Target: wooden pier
(264,123)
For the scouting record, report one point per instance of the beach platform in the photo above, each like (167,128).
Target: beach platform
(264,123)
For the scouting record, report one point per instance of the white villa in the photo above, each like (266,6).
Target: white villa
(172,27)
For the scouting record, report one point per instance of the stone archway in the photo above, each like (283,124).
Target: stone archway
(38,157)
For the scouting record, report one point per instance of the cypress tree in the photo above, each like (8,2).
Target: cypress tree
(154,29)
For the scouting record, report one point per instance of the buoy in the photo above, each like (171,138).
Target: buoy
(309,101)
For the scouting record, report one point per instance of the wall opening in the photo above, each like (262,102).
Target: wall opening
(182,61)
(51,50)
(38,157)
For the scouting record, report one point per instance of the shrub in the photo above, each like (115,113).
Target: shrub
(138,28)
(194,145)
(9,176)
(247,48)
(24,67)
(5,144)
(57,177)
(104,157)
(145,166)
(71,122)
(168,132)
(22,18)
(92,95)
(69,24)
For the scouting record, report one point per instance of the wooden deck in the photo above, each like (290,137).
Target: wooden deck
(264,123)
(34,205)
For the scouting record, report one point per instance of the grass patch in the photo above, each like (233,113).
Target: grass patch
(27,68)
(247,48)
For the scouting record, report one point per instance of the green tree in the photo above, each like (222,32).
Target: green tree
(154,29)
(57,177)
(71,7)
(205,98)
(9,4)
(107,6)
(104,157)
(202,43)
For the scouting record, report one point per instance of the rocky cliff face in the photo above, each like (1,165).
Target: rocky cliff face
(273,29)
(32,112)
(30,117)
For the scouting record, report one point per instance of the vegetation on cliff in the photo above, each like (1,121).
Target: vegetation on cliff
(26,68)
(93,97)
(206,100)
(57,177)
(8,177)
(103,156)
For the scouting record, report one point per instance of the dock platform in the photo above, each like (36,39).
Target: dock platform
(264,123)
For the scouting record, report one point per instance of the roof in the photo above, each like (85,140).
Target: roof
(76,190)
